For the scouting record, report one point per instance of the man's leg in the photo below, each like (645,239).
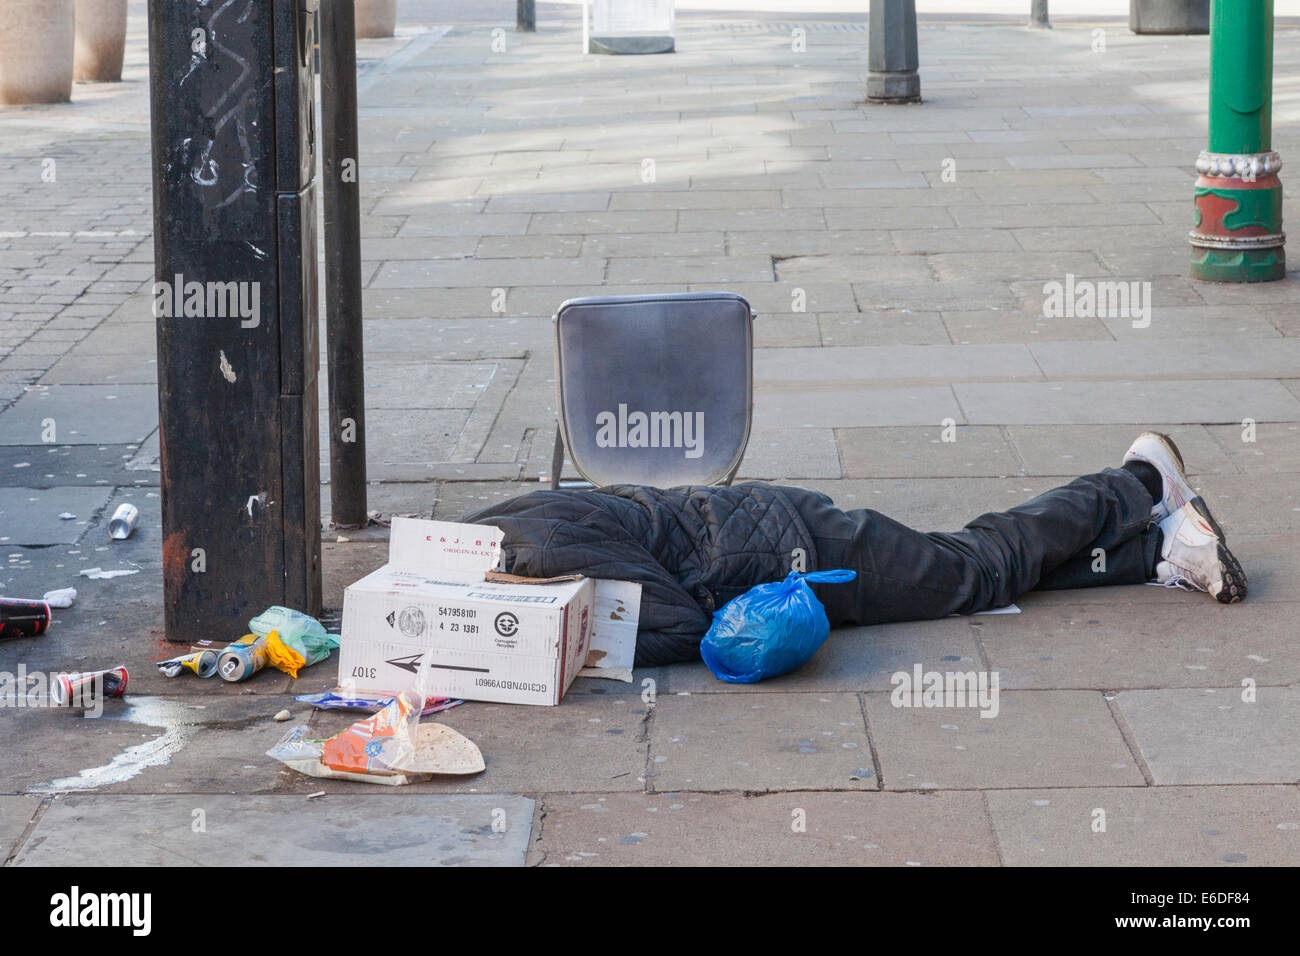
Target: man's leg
(1130,562)
(906,575)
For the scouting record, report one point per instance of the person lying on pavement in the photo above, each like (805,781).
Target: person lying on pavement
(695,548)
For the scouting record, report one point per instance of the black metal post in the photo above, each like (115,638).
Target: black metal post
(338,83)
(892,59)
(232,97)
(526,15)
(1038,15)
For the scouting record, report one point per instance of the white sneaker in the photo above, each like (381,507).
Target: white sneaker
(1161,453)
(1195,557)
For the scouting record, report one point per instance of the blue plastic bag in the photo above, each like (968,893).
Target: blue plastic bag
(769,630)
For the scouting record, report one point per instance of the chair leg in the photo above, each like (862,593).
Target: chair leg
(557,459)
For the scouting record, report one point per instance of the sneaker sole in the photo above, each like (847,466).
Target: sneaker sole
(1196,501)
(1234,586)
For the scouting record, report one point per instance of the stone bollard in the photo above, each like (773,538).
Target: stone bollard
(1169,16)
(36,49)
(376,18)
(101,41)
(891,53)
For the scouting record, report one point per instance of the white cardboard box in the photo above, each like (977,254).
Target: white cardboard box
(516,643)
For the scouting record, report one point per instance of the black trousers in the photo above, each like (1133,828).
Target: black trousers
(1094,531)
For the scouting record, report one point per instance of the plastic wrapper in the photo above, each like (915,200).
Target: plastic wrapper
(293,640)
(390,747)
(370,703)
(769,630)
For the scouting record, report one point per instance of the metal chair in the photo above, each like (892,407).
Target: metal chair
(653,389)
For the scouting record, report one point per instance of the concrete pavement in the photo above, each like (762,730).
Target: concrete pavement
(899,259)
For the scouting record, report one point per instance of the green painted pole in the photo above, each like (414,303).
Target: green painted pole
(1237,234)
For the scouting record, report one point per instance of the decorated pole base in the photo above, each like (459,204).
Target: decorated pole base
(1238,221)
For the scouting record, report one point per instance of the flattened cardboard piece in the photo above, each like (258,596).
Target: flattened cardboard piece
(613,645)
(469,549)
(500,577)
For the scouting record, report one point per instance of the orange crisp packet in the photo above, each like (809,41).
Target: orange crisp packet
(381,744)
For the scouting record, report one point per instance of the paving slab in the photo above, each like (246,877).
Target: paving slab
(1037,739)
(785,453)
(786,331)
(82,415)
(789,406)
(1100,403)
(1212,735)
(1148,826)
(786,298)
(912,241)
(895,364)
(1010,324)
(132,330)
(31,572)
(647,244)
(88,367)
(1083,449)
(335,831)
(382,248)
(787,829)
(716,270)
(1018,265)
(588,742)
(1142,644)
(853,268)
(904,327)
(31,516)
(486,273)
(396,435)
(452,500)
(16,815)
(942,296)
(446,340)
(758,742)
(419,384)
(1270,449)
(1247,359)
(213,742)
(527,247)
(1246,505)
(786,243)
(853,659)
(923,452)
(1272,562)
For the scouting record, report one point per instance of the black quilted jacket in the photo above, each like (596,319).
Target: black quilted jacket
(693,548)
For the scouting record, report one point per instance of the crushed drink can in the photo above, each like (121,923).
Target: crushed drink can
(123,522)
(74,688)
(243,658)
(202,663)
(23,618)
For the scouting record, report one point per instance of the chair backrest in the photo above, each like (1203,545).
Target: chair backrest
(655,389)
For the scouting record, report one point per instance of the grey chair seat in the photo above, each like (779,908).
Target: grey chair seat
(654,389)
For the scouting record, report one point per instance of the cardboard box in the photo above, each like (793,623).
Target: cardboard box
(510,640)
